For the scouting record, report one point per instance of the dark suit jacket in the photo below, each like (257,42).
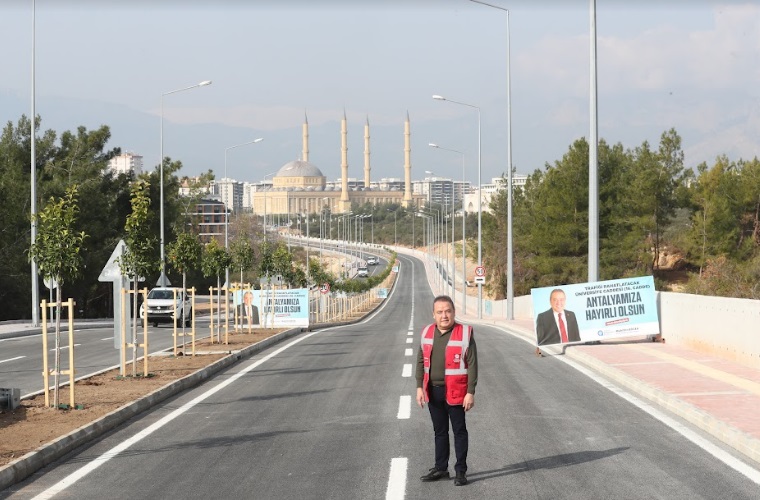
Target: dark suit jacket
(244,318)
(547,331)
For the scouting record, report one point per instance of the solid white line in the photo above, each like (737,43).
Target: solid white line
(124,445)
(409,341)
(407,352)
(397,479)
(107,338)
(21,357)
(407,371)
(404,407)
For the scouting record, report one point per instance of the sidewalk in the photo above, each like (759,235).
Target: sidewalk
(720,397)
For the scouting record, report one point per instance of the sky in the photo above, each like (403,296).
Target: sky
(692,65)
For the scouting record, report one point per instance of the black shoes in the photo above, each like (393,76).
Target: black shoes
(434,475)
(461,479)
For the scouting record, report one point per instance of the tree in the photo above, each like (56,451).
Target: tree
(184,253)
(138,260)
(214,261)
(57,251)
(242,254)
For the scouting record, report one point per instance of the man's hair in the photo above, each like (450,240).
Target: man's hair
(444,298)
(557,290)
(247,293)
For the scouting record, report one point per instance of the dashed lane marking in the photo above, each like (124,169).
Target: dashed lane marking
(407,371)
(404,407)
(397,479)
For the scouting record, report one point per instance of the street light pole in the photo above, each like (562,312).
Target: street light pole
(162,280)
(453,253)
(480,199)
(510,236)
(226,208)
(265,206)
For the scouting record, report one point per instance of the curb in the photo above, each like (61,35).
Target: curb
(30,463)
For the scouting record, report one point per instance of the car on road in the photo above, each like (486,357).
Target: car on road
(362,272)
(372,261)
(160,306)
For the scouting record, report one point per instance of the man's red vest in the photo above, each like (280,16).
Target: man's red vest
(455,375)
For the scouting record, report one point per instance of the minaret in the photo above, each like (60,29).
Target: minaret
(305,152)
(366,154)
(406,203)
(345,203)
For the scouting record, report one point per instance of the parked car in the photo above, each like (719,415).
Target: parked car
(161,307)
(372,261)
(362,272)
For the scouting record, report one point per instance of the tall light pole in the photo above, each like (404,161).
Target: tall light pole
(162,280)
(226,208)
(33,177)
(510,237)
(464,253)
(265,207)
(395,233)
(480,199)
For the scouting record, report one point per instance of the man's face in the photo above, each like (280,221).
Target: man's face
(558,301)
(443,314)
(247,299)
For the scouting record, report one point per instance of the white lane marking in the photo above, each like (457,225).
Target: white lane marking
(397,479)
(107,338)
(124,445)
(751,473)
(404,407)
(407,352)
(410,332)
(407,371)
(66,347)
(409,341)
(17,357)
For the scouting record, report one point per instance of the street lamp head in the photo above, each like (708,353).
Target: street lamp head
(433,145)
(429,172)
(204,83)
(256,140)
(439,97)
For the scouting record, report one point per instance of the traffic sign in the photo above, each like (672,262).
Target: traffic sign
(480,271)
(480,280)
(325,288)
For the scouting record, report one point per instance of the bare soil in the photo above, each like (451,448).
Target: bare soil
(32,424)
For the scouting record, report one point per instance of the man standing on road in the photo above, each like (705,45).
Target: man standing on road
(447,373)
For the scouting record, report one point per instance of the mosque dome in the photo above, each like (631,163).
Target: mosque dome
(299,168)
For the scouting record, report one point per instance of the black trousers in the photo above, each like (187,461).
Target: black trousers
(441,412)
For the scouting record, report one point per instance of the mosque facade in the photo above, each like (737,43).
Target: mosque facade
(299,187)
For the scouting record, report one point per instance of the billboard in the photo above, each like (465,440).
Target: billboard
(602,310)
(275,308)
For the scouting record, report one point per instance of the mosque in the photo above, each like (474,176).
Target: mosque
(299,187)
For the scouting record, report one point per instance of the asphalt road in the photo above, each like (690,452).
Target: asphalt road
(323,417)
